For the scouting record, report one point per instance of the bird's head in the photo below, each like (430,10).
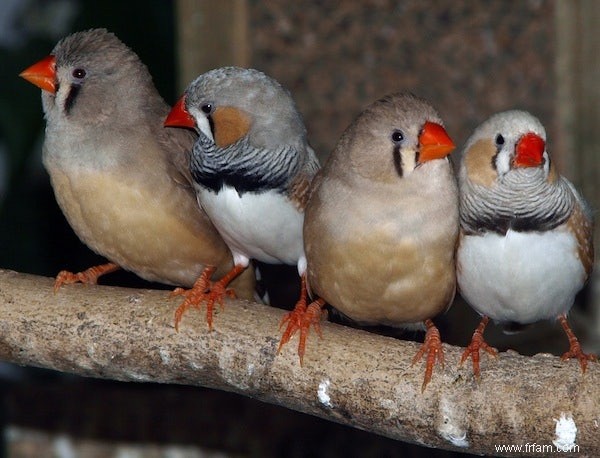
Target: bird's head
(509,143)
(394,137)
(231,103)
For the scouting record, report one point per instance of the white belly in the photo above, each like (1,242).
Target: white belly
(520,277)
(265,226)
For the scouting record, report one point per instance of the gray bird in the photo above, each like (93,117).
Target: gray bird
(382,223)
(121,178)
(526,234)
(252,167)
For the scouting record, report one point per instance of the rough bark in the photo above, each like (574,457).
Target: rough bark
(349,376)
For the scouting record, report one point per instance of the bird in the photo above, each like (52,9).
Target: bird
(252,167)
(381,224)
(525,245)
(121,179)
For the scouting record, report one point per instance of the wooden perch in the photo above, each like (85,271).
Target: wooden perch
(349,376)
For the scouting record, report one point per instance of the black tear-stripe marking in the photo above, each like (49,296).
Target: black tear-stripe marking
(211,124)
(398,161)
(71,96)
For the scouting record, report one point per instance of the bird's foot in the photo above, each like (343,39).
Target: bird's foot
(203,291)
(478,343)
(89,276)
(432,345)
(575,350)
(301,318)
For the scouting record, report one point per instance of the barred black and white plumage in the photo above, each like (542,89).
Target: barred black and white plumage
(522,200)
(243,166)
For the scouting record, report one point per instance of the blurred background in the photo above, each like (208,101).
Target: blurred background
(470,59)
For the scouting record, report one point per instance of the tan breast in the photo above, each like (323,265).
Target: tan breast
(379,263)
(384,283)
(153,229)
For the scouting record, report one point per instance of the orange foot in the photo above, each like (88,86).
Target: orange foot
(433,346)
(88,277)
(478,343)
(301,318)
(205,291)
(575,350)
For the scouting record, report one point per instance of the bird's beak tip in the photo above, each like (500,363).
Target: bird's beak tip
(179,116)
(529,151)
(42,74)
(434,142)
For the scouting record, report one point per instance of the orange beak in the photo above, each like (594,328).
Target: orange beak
(434,142)
(530,151)
(42,74)
(179,116)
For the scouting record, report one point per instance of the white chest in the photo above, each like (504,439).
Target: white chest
(265,226)
(520,277)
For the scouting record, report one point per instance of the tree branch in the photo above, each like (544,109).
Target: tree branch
(349,376)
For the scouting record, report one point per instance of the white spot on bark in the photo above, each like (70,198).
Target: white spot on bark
(566,433)
(137,376)
(134,299)
(165,356)
(322,393)
(450,423)
(250,369)
(196,366)
(390,407)
(388,404)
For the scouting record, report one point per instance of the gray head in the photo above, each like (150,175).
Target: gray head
(96,77)
(231,102)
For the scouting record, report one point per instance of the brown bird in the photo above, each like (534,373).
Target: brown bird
(526,234)
(381,224)
(121,179)
(252,167)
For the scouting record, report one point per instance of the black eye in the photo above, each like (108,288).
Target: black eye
(79,73)
(207,108)
(499,140)
(397,136)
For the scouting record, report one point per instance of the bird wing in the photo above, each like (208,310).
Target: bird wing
(581,224)
(300,187)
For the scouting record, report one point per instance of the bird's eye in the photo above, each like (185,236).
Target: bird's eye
(79,73)
(499,140)
(207,108)
(397,136)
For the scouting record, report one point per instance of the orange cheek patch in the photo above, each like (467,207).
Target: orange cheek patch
(230,124)
(478,161)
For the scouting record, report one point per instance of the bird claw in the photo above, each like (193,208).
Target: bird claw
(478,343)
(204,290)
(301,318)
(88,277)
(432,345)
(473,351)
(210,294)
(575,351)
